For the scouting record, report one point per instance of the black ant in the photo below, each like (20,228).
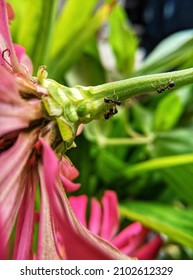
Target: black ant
(113,101)
(112,107)
(163,88)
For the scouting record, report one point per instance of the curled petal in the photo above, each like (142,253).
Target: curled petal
(68,170)
(149,250)
(68,185)
(110,221)
(130,238)
(67,173)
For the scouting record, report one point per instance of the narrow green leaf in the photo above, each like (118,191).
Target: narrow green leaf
(169,53)
(74,16)
(33,26)
(179,178)
(157,164)
(66,56)
(174,222)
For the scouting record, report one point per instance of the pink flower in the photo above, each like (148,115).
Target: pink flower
(133,241)
(30,169)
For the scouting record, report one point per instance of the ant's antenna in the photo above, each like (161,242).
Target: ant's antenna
(8,54)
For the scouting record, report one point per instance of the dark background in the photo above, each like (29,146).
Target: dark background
(156,19)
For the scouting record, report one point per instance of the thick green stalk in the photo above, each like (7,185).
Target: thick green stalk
(155,83)
(69,107)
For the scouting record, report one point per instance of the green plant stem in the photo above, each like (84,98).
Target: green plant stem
(128,88)
(158,163)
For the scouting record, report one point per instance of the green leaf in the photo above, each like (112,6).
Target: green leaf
(86,71)
(122,40)
(157,164)
(174,222)
(180,180)
(33,26)
(74,16)
(169,53)
(109,166)
(178,141)
(67,54)
(168,112)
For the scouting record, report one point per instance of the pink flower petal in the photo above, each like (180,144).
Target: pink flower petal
(68,185)
(68,170)
(8,88)
(15,113)
(23,58)
(67,173)
(12,162)
(79,243)
(150,250)
(10,11)
(50,162)
(24,232)
(3,245)
(79,205)
(46,240)
(110,220)
(52,169)
(95,217)
(9,124)
(130,238)
(80,129)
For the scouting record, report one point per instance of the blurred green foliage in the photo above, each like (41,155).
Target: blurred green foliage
(87,43)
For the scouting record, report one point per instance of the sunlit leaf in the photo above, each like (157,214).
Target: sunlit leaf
(174,222)
(73,17)
(180,180)
(33,26)
(169,53)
